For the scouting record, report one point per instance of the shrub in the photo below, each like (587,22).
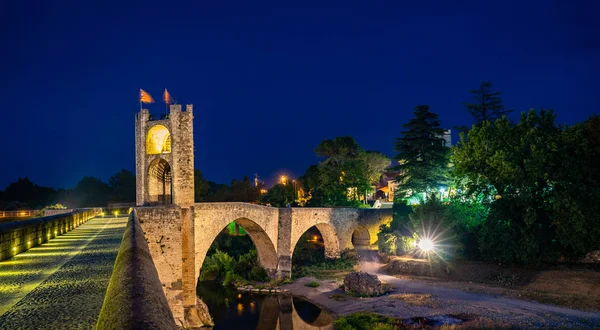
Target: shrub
(227,269)
(366,321)
(347,261)
(313,284)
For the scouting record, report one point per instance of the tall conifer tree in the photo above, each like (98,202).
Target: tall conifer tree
(486,105)
(422,154)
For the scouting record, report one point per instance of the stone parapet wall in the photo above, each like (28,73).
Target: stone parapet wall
(48,213)
(134,298)
(19,236)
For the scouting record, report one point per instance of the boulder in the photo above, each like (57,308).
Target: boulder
(364,285)
(592,257)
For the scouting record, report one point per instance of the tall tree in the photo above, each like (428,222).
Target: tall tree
(201,186)
(343,172)
(376,163)
(89,192)
(122,185)
(28,194)
(422,154)
(486,104)
(280,195)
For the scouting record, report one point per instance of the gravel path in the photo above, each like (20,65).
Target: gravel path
(61,284)
(500,310)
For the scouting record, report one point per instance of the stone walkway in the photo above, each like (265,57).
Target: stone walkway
(61,284)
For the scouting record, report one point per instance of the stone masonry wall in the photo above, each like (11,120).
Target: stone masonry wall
(141,120)
(182,136)
(133,298)
(20,236)
(162,230)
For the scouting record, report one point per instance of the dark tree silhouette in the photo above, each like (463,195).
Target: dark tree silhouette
(486,105)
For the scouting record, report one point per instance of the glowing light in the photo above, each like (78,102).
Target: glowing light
(239,295)
(158,140)
(315,237)
(283,179)
(240,309)
(426,245)
(15,249)
(55,232)
(116,213)
(28,243)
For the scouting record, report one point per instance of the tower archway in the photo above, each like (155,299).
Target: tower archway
(160,182)
(158,140)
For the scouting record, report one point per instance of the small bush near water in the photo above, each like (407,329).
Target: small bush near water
(366,321)
(228,270)
(348,260)
(313,284)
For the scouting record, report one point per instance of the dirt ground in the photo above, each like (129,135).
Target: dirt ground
(571,285)
(469,305)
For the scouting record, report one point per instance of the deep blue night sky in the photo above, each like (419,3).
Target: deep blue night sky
(269,81)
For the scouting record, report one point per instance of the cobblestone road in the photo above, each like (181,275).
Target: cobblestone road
(61,284)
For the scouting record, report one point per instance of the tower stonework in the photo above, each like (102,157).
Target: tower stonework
(164,158)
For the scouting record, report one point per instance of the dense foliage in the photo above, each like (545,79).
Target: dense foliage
(229,270)
(521,192)
(89,192)
(280,195)
(232,259)
(344,176)
(540,183)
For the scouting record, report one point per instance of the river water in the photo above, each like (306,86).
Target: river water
(232,309)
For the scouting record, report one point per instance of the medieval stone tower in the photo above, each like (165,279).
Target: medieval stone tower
(164,158)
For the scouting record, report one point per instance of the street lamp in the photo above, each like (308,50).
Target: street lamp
(283,179)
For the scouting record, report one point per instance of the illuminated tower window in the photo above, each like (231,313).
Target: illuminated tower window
(158,140)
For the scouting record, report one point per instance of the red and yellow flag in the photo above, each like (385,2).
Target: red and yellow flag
(145,97)
(167,97)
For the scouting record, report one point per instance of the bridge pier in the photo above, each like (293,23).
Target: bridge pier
(284,249)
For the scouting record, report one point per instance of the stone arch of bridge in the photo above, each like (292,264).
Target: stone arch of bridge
(330,238)
(322,320)
(205,237)
(361,237)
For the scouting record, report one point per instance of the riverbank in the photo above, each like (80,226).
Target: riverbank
(416,300)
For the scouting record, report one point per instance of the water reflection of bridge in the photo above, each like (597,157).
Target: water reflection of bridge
(287,313)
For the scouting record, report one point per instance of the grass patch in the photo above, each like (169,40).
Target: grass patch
(339,297)
(328,268)
(366,321)
(313,284)
(423,300)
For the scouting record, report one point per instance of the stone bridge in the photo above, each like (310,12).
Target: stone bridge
(179,238)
